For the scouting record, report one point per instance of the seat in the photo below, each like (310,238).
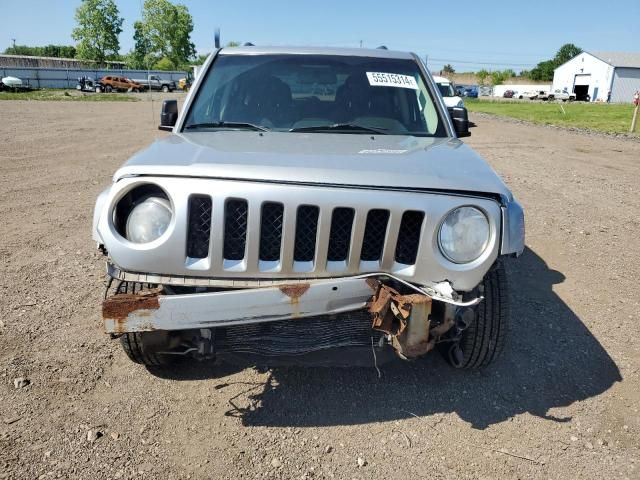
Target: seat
(264,101)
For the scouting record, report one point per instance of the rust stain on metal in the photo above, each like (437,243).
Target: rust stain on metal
(406,319)
(294,292)
(118,307)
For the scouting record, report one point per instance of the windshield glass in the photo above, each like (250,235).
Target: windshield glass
(315,93)
(446,90)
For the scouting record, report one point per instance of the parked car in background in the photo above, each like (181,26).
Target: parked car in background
(154,82)
(471,92)
(542,95)
(531,95)
(508,94)
(120,84)
(562,95)
(449,95)
(88,84)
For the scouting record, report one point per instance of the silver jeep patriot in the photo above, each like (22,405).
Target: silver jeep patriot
(310,206)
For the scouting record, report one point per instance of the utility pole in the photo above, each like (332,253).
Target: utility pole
(14,42)
(360,43)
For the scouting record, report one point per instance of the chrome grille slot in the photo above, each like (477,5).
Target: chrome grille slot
(199,228)
(409,237)
(235,229)
(340,236)
(271,221)
(375,232)
(306,233)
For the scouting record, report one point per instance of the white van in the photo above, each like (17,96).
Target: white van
(448,92)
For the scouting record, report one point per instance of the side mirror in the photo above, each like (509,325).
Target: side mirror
(168,115)
(460,120)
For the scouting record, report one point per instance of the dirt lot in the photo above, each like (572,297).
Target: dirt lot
(562,402)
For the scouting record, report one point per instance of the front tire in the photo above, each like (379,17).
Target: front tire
(165,89)
(483,341)
(143,347)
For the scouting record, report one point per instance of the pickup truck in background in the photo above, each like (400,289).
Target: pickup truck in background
(154,82)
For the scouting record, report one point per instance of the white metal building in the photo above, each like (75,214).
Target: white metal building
(596,74)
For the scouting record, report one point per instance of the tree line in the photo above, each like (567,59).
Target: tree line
(543,71)
(162,37)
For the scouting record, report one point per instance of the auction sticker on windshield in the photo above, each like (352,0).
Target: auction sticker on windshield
(381,79)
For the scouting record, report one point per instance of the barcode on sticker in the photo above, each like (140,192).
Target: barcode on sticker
(381,79)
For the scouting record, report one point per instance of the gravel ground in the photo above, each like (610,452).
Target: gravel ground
(561,403)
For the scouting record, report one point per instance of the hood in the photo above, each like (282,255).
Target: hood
(393,161)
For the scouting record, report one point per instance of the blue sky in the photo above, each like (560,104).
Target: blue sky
(469,35)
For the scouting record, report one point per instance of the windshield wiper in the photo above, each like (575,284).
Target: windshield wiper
(236,125)
(339,127)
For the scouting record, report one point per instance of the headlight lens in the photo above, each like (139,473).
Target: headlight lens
(464,235)
(148,220)
(460,103)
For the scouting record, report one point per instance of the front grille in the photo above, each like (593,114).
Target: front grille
(306,232)
(409,237)
(375,232)
(340,236)
(199,229)
(300,242)
(271,222)
(236,214)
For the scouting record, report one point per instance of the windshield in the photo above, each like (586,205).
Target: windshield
(446,90)
(315,93)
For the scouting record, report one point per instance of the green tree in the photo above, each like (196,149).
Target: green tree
(200,59)
(165,32)
(498,77)
(566,53)
(448,68)
(482,76)
(56,51)
(99,25)
(164,63)
(544,70)
(138,58)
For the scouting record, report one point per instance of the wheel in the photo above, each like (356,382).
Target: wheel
(108,89)
(551,98)
(98,89)
(484,339)
(165,89)
(143,348)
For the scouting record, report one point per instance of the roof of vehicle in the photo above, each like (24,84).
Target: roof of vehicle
(353,52)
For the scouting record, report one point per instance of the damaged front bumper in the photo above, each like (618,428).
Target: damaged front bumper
(405,319)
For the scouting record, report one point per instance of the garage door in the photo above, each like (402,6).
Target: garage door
(583,79)
(626,81)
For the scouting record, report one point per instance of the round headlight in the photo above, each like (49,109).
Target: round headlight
(460,103)
(464,235)
(148,220)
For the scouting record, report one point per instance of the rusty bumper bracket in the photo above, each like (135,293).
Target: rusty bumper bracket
(405,319)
